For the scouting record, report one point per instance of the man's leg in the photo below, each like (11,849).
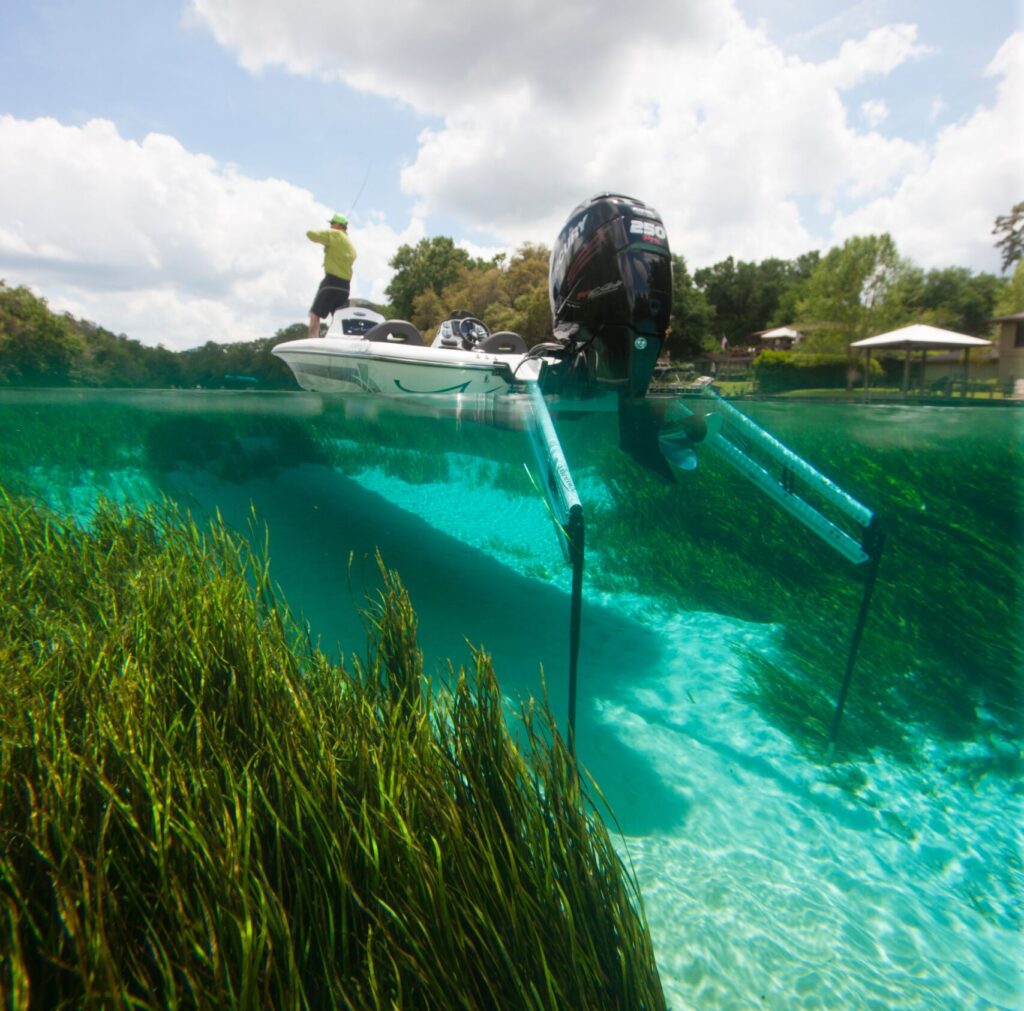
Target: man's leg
(314,325)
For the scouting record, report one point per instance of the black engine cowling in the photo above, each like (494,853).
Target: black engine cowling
(611,289)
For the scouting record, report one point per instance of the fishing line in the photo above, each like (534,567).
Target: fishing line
(369,165)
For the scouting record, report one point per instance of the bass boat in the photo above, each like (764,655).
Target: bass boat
(363,352)
(610,289)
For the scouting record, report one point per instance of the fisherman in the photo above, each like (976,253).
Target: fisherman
(339,255)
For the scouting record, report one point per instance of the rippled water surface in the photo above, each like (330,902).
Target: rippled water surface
(714,635)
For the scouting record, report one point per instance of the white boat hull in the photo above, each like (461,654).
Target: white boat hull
(347,365)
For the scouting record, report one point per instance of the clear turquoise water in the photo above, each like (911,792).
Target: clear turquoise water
(891,878)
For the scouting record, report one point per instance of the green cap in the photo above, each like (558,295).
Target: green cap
(339,219)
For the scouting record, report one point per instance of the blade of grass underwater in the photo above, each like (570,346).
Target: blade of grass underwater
(204,820)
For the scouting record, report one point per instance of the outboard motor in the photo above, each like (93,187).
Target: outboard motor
(611,299)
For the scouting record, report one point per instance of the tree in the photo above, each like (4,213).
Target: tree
(856,289)
(476,291)
(954,298)
(1010,229)
(164,368)
(427,310)
(510,295)
(37,347)
(109,359)
(431,263)
(1011,296)
(692,315)
(527,271)
(746,297)
(530,316)
(526,285)
(728,287)
(800,270)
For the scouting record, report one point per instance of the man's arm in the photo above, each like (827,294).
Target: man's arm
(322,237)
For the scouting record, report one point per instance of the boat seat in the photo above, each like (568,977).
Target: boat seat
(395,331)
(504,342)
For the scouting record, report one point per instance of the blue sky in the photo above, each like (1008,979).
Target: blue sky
(160,162)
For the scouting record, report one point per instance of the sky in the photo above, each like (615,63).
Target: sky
(160,162)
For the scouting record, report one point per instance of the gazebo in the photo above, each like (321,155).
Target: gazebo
(919,337)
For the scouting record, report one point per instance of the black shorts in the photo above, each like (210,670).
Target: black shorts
(330,296)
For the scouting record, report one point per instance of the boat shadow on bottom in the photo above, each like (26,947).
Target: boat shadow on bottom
(324,532)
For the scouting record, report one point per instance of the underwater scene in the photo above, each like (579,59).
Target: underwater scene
(714,635)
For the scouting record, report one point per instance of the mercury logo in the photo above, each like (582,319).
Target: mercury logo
(571,239)
(576,232)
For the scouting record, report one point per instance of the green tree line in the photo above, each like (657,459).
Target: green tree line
(862,287)
(39,347)
(854,290)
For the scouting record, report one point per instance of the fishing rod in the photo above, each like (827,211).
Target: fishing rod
(362,186)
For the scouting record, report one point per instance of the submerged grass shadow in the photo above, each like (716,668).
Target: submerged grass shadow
(200,809)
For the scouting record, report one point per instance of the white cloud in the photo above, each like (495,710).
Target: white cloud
(941,213)
(881,51)
(875,111)
(531,110)
(688,107)
(161,243)
(723,138)
(433,57)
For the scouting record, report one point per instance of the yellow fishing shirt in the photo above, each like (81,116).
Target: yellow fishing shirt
(339,253)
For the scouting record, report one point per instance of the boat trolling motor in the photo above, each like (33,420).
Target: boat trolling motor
(610,285)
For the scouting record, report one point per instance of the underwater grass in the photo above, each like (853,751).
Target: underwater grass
(942,652)
(77,434)
(63,437)
(41,435)
(200,810)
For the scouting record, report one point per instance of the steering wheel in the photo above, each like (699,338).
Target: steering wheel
(467,328)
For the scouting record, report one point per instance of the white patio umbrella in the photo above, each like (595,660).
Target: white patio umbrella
(919,337)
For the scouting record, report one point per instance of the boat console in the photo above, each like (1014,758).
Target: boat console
(468,333)
(461,330)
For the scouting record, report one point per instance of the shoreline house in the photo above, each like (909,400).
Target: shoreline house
(782,338)
(1011,352)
